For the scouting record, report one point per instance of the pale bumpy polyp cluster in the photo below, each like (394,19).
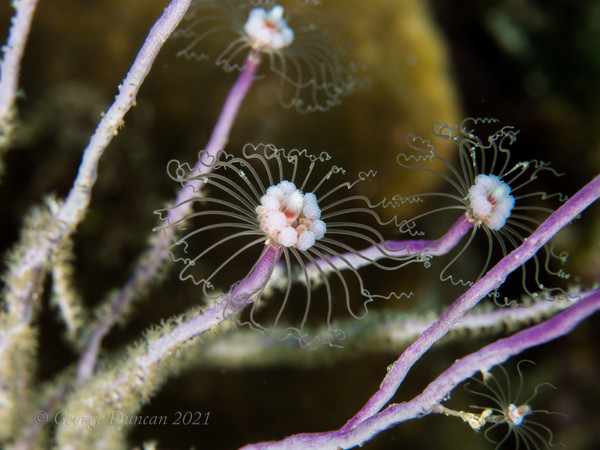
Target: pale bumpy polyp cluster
(289,217)
(268,30)
(490,201)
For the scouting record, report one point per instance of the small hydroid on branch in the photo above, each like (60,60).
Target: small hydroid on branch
(312,78)
(510,409)
(493,192)
(504,409)
(287,200)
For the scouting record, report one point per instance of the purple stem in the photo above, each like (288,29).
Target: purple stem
(218,138)
(163,240)
(29,273)
(496,353)
(242,294)
(492,280)
(437,247)
(399,249)
(438,390)
(230,304)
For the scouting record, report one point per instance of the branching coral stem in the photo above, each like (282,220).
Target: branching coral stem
(30,270)
(481,361)
(156,255)
(492,280)
(406,248)
(496,353)
(436,247)
(437,391)
(218,138)
(230,304)
(11,62)
(79,197)
(27,271)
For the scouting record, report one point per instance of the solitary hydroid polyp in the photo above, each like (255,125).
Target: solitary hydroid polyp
(495,194)
(509,409)
(311,75)
(288,200)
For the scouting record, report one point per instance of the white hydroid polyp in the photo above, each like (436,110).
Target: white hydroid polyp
(485,190)
(268,29)
(490,201)
(289,217)
(311,75)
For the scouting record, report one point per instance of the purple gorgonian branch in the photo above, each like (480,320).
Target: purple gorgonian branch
(155,257)
(482,361)
(29,271)
(439,389)
(11,64)
(47,230)
(261,34)
(487,284)
(72,211)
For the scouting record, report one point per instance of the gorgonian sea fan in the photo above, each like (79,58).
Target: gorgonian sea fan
(291,201)
(496,195)
(310,72)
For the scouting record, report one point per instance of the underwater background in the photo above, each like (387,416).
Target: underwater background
(531,64)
